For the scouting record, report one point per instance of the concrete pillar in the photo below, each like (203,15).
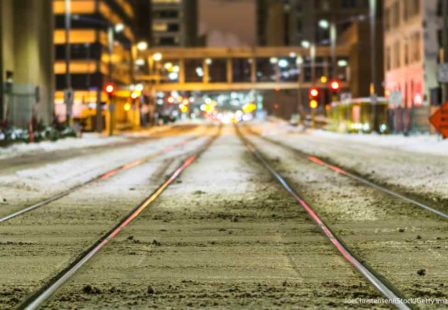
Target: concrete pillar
(27,49)
(205,67)
(253,70)
(229,70)
(181,71)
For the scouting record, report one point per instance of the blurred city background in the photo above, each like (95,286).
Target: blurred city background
(113,65)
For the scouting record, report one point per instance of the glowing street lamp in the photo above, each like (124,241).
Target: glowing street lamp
(142,45)
(157,56)
(119,27)
(324,24)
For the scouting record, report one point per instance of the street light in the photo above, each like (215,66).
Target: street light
(157,57)
(324,24)
(142,45)
(140,62)
(305,44)
(119,27)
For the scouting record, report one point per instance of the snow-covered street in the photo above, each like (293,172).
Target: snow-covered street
(415,164)
(223,216)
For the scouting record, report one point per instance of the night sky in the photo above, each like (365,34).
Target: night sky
(228,23)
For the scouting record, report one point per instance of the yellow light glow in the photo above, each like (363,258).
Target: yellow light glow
(313,104)
(183,108)
(127,107)
(157,57)
(142,45)
(168,66)
(323,79)
(249,107)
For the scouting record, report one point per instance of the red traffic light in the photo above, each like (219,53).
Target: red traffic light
(335,86)
(313,92)
(109,88)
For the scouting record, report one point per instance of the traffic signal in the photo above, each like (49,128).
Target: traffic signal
(335,86)
(313,96)
(313,93)
(314,104)
(109,88)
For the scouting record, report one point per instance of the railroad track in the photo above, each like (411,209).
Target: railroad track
(382,285)
(345,172)
(46,291)
(101,177)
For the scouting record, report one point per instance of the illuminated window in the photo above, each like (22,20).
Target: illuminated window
(165,1)
(160,27)
(77,6)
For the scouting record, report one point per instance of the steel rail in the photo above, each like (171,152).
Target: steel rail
(385,289)
(342,171)
(37,299)
(103,176)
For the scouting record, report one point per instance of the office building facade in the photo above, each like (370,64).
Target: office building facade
(174,23)
(101,41)
(412,42)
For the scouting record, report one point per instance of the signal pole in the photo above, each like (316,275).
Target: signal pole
(445,45)
(68,81)
(373,78)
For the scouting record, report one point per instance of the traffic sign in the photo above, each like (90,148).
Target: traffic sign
(442,73)
(440,120)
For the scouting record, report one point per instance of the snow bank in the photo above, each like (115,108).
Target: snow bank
(426,144)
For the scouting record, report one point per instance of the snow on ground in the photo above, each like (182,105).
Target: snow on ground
(87,140)
(416,164)
(427,144)
(423,143)
(26,185)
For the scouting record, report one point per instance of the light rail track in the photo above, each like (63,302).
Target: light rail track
(345,172)
(385,288)
(37,299)
(103,176)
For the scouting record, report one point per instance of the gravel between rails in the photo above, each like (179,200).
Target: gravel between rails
(224,236)
(405,244)
(37,245)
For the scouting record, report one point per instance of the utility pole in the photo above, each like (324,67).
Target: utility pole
(111,106)
(373,77)
(445,45)
(333,40)
(68,95)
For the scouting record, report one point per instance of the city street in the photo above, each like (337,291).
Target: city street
(223,154)
(225,232)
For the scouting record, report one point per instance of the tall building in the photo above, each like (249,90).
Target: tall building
(101,37)
(26,59)
(309,23)
(412,44)
(303,22)
(174,23)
